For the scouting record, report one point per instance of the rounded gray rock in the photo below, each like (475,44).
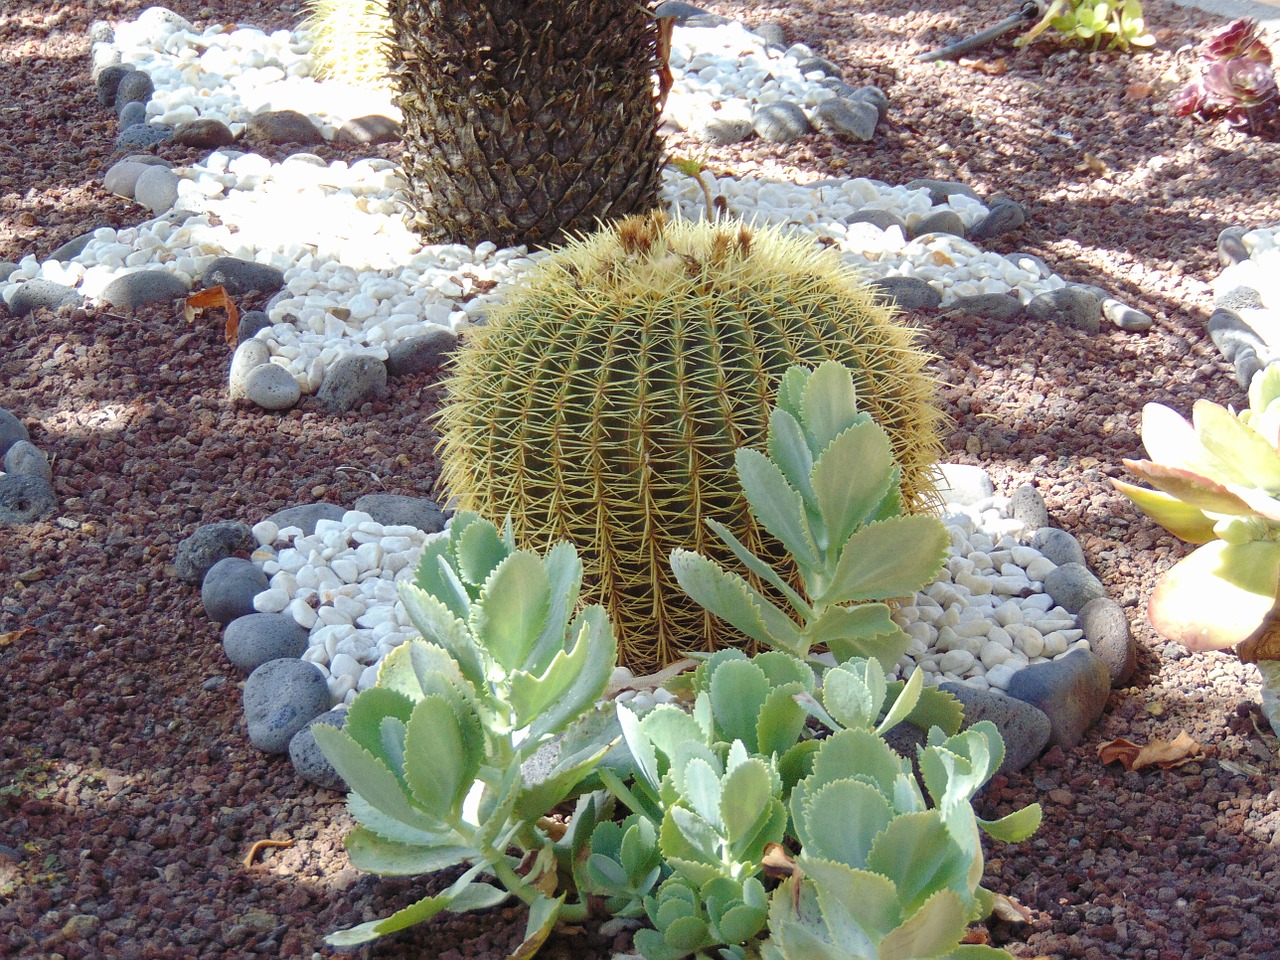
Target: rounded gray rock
(107,82)
(846,118)
(122,178)
(41,294)
(780,122)
(248,356)
(940,190)
(1074,305)
(1247,364)
(964,484)
(720,129)
(25,499)
(208,544)
(1125,317)
(992,306)
(72,248)
(143,135)
(251,321)
(239,277)
(309,762)
(229,588)
(771,33)
(419,354)
(873,95)
(280,698)
(271,387)
(352,380)
(1240,298)
(1002,217)
(1058,545)
(7,269)
(1231,248)
(820,64)
(141,287)
(1072,585)
(940,221)
(134,87)
(396,509)
(1027,505)
(25,459)
(11,430)
(258,638)
(204,132)
(1072,691)
(304,516)
(283,126)
(884,220)
(131,114)
(1024,728)
(680,11)
(1107,629)
(369,131)
(909,293)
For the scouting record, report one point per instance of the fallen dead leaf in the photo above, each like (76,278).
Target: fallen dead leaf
(12,635)
(214,298)
(1240,768)
(1139,91)
(777,862)
(1092,164)
(992,68)
(1010,910)
(1165,754)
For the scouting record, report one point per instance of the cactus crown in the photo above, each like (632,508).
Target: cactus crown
(605,399)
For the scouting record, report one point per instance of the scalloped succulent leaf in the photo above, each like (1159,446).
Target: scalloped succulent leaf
(929,931)
(917,852)
(830,403)
(478,550)
(1216,597)
(789,449)
(372,779)
(1170,439)
(729,597)
(869,900)
(851,478)
(375,854)
(760,568)
(738,690)
(443,753)
(564,576)
(863,630)
(842,820)
(439,625)
(512,609)
(364,718)
(888,559)
(462,896)
(1179,518)
(746,799)
(781,722)
(776,505)
(853,693)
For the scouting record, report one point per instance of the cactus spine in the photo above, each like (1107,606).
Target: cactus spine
(604,401)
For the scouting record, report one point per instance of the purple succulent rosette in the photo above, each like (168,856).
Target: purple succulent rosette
(1236,83)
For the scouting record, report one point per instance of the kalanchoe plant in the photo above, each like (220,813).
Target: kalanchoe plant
(1216,483)
(1235,82)
(433,753)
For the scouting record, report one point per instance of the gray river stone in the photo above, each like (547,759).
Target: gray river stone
(280,698)
(229,588)
(208,544)
(1071,690)
(1072,585)
(25,459)
(309,762)
(395,509)
(258,638)
(25,499)
(304,516)
(1024,728)
(1106,627)
(909,293)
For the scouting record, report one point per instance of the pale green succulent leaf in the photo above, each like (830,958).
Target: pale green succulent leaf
(781,721)
(1216,597)
(689,845)
(1181,519)
(740,923)
(937,926)
(776,505)
(830,403)
(1014,827)
(724,594)
(864,630)
(868,901)
(443,753)
(364,718)
(853,693)
(857,753)
(842,820)
(1232,442)
(783,668)
(463,895)
(746,796)
(375,854)
(537,798)
(372,779)
(738,691)
(439,625)
(595,633)
(564,577)
(760,568)
(888,559)
(479,549)
(851,478)
(532,695)
(936,708)
(702,791)
(430,577)
(543,915)
(512,608)
(904,703)
(791,391)
(789,449)
(798,925)
(392,732)
(396,673)
(1264,388)
(917,852)
(395,831)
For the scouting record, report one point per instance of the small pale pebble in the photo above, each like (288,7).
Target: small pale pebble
(1000,675)
(346,569)
(1009,586)
(266,532)
(348,606)
(1037,601)
(948,639)
(980,560)
(922,632)
(1001,636)
(1039,568)
(331,616)
(271,601)
(1023,555)
(1055,643)
(1007,613)
(974,584)
(993,654)
(1031,643)
(304,615)
(284,581)
(369,677)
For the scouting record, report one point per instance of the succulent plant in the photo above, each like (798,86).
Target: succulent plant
(1118,23)
(829,492)
(433,753)
(349,40)
(604,400)
(1235,82)
(1216,483)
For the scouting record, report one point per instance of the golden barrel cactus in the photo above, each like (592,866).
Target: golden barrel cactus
(604,400)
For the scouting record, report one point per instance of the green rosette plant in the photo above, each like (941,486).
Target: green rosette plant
(1117,23)
(433,754)
(1216,482)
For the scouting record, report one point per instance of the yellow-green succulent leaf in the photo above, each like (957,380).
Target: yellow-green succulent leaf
(888,559)
(928,931)
(512,609)
(1016,826)
(1216,597)
(842,820)
(776,505)
(443,754)
(1170,439)
(851,478)
(1178,517)
(904,703)
(869,899)
(761,569)
(789,449)
(919,854)
(372,779)
(1196,489)
(830,404)
(375,854)
(592,628)
(1233,442)
(738,690)
(1264,388)
(729,597)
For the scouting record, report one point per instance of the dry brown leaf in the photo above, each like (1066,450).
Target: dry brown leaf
(1139,91)
(1092,164)
(940,259)
(12,635)
(777,862)
(1165,754)
(1010,910)
(214,298)
(976,935)
(992,68)
(1263,643)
